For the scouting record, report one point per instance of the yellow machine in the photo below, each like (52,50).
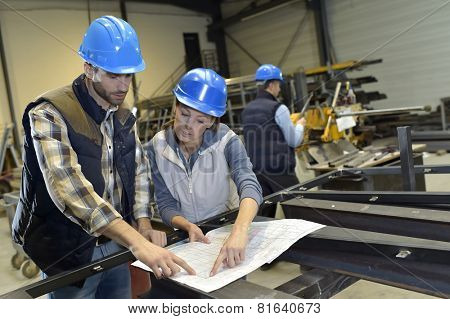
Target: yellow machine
(321,123)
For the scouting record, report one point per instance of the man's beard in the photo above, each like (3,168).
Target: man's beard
(108,97)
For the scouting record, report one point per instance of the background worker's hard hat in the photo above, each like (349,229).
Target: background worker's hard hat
(268,72)
(203,90)
(112,44)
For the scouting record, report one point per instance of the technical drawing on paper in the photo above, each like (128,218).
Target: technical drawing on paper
(267,240)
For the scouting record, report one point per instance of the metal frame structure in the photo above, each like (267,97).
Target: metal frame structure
(405,246)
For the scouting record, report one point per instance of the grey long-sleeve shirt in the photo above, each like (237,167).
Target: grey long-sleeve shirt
(240,169)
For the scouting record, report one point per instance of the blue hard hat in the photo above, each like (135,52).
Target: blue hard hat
(112,45)
(268,72)
(203,90)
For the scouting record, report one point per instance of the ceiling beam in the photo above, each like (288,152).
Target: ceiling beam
(251,13)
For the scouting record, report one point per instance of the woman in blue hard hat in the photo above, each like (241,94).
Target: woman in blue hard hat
(86,176)
(200,167)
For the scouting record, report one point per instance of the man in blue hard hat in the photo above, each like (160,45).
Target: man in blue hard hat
(270,136)
(85,176)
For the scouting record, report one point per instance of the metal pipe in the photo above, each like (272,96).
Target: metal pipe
(301,90)
(322,31)
(292,41)
(426,108)
(336,94)
(9,93)
(123,13)
(89,11)
(251,56)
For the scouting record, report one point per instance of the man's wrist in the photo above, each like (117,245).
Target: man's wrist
(144,223)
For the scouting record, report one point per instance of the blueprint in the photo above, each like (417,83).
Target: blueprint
(267,240)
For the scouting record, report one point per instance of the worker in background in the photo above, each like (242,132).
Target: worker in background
(86,176)
(200,167)
(270,136)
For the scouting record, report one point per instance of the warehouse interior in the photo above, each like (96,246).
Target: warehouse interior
(370,78)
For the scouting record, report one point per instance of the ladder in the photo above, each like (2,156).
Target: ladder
(6,143)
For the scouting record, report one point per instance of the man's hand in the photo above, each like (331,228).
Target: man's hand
(196,234)
(162,262)
(232,252)
(155,236)
(302,121)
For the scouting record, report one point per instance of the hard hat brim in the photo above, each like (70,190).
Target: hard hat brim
(116,70)
(196,105)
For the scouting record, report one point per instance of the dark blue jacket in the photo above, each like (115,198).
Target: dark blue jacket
(264,140)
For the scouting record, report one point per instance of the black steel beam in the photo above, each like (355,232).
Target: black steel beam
(322,33)
(406,158)
(430,135)
(216,35)
(396,170)
(239,289)
(379,197)
(366,211)
(403,221)
(423,277)
(353,241)
(203,6)
(124,14)
(252,11)
(67,278)
(317,284)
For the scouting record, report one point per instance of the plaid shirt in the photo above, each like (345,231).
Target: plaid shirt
(69,189)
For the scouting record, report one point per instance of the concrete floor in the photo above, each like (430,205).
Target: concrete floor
(11,279)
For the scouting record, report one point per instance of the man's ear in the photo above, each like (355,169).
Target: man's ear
(89,71)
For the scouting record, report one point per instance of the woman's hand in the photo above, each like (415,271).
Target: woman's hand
(157,237)
(196,234)
(232,252)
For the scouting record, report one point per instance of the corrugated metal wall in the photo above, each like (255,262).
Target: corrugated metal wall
(267,36)
(416,65)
